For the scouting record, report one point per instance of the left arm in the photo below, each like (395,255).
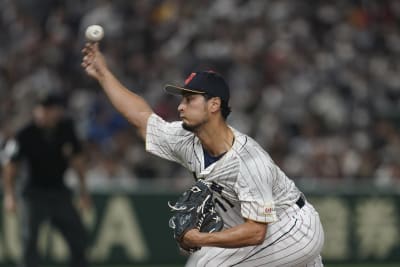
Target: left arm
(77,161)
(79,165)
(250,233)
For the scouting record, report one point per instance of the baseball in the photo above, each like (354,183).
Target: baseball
(94,33)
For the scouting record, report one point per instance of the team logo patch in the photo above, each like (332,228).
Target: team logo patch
(269,209)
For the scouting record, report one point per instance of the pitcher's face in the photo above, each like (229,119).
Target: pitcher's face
(193,111)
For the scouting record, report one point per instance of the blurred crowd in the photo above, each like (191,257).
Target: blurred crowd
(314,82)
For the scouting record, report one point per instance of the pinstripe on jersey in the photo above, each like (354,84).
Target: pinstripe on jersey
(249,185)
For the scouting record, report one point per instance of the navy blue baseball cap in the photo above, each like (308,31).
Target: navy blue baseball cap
(202,82)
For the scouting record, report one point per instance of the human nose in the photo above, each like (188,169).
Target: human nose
(181,106)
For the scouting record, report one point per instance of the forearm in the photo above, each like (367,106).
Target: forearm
(9,172)
(79,165)
(82,183)
(129,104)
(247,234)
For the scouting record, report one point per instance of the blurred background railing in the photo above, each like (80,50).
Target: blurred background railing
(132,228)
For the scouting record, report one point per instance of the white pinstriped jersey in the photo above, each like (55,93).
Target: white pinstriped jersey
(247,183)
(245,173)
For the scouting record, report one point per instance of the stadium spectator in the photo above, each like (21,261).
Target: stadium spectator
(313,81)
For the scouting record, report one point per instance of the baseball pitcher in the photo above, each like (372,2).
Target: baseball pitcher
(267,221)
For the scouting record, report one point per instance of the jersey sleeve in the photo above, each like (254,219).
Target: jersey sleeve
(254,189)
(165,139)
(14,147)
(12,151)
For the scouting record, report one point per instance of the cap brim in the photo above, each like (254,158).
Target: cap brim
(177,90)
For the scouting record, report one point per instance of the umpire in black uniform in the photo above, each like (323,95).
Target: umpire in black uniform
(47,146)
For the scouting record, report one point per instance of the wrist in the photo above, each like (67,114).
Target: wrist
(104,73)
(193,238)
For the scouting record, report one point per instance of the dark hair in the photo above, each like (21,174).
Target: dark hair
(225,109)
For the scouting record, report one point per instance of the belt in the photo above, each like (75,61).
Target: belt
(301,202)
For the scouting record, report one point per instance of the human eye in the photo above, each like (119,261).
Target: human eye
(189,98)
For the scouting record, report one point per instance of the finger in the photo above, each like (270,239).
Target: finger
(87,52)
(88,56)
(88,59)
(88,48)
(86,63)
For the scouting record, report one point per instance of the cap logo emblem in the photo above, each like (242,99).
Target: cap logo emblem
(188,79)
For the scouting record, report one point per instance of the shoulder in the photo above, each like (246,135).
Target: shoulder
(21,140)
(249,153)
(247,147)
(26,132)
(66,123)
(173,129)
(65,130)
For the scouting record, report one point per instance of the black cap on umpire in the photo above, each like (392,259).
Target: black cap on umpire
(52,100)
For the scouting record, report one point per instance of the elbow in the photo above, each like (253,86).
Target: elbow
(258,239)
(259,235)
(256,232)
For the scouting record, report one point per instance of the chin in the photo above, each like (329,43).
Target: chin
(190,128)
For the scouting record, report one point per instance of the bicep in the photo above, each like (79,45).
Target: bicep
(142,126)
(254,190)
(167,140)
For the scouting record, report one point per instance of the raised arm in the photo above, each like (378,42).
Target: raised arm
(133,107)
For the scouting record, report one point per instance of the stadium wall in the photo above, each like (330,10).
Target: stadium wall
(130,228)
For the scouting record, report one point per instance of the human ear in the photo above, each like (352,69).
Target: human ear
(215,104)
